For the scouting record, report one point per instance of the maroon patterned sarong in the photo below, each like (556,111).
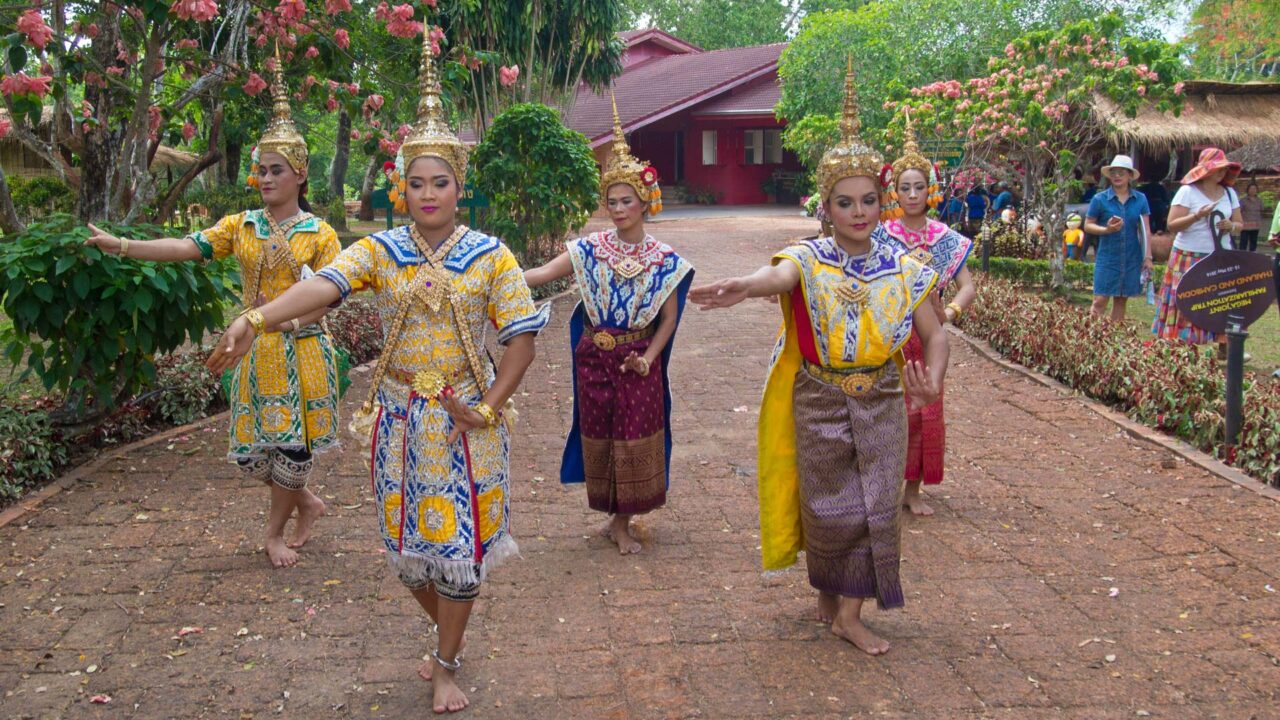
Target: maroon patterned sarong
(850,453)
(926,430)
(621,418)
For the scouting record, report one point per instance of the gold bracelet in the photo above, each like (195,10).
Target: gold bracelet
(124,247)
(256,319)
(491,418)
(955,308)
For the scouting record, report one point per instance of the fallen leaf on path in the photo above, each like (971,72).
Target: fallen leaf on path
(190,631)
(1113,592)
(100,699)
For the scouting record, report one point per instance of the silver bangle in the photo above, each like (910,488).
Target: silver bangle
(295,325)
(450,666)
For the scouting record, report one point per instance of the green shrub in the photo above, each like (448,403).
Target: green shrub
(93,323)
(31,450)
(1172,386)
(540,177)
(220,201)
(186,390)
(1079,275)
(38,196)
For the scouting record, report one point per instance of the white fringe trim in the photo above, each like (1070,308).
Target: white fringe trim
(420,569)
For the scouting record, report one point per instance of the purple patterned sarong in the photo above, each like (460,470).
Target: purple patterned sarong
(851,453)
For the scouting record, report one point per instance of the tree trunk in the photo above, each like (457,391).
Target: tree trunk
(10,225)
(231,162)
(338,170)
(211,158)
(98,161)
(366,189)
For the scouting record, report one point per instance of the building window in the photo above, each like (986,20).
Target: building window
(709,147)
(762,147)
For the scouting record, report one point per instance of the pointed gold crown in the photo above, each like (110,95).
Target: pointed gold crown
(431,136)
(621,166)
(912,158)
(851,157)
(282,135)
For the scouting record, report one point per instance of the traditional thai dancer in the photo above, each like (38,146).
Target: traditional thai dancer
(632,291)
(833,430)
(284,395)
(439,438)
(916,190)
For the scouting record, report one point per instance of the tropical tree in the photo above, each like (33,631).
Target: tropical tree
(715,24)
(1236,39)
(1034,108)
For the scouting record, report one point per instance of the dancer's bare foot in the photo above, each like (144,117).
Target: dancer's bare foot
(310,509)
(606,530)
(428,667)
(448,697)
(280,554)
(620,528)
(828,606)
(914,501)
(861,637)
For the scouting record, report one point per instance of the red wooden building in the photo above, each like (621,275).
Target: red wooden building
(703,118)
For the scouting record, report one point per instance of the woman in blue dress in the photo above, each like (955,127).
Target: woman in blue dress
(1121,219)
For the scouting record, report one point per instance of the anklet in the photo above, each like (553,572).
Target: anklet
(450,666)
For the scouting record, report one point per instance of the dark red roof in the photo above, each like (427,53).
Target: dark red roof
(664,86)
(757,98)
(634,37)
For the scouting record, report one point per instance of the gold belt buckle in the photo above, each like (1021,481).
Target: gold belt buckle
(429,383)
(604,341)
(857,384)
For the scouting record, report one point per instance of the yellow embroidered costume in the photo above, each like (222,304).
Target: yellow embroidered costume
(284,393)
(443,507)
(832,435)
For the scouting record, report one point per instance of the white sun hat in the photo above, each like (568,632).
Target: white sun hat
(1124,162)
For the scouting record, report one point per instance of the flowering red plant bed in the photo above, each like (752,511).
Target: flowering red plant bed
(1174,387)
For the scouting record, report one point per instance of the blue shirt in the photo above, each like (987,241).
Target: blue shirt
(1105,205)
(1003,200)
(977,206)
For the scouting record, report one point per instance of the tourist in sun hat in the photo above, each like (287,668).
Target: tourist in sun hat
(1205,189)
(1121,218)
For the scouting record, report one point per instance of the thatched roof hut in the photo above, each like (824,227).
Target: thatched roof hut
(1222,114)
(1260,155)
(18,161)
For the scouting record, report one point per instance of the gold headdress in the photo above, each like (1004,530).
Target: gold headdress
(623,167)
(431,136)
(281,135)
(851,157)
(912,159)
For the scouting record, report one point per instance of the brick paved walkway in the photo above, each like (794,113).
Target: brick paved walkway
(1010,610)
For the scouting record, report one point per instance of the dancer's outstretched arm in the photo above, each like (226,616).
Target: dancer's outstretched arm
(768,280)
(558,268)
(299,301)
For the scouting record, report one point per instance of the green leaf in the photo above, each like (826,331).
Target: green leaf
(43,291)
(17,57)
(64,263)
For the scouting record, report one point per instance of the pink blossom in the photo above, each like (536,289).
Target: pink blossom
(115,70)
(388,146)
(333,7)
(403,131)
(312,52)
(1142,90)
(188,131)
(309,81)
(1178,88)
(31,24)
(92,31)
(352,88)
(5,127)
(400,22)
(261,41)
(270,64)
(86,109)
(1124,61)
(333,85)
(187,44)
(254,85)
(198,10)
(376,124)
(508,75)
(1044,143)
(23,84)
(1108,65)
(373,104)
(342,39)
(331,104)
(154,118)
(291,11)
(355,134)
(436,33)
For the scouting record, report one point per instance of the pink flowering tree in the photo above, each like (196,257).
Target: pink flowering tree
(95,89)
(1034,112)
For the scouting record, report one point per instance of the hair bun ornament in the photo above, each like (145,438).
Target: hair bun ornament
(889,207)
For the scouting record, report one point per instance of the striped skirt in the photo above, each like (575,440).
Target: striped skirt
(1168,324)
